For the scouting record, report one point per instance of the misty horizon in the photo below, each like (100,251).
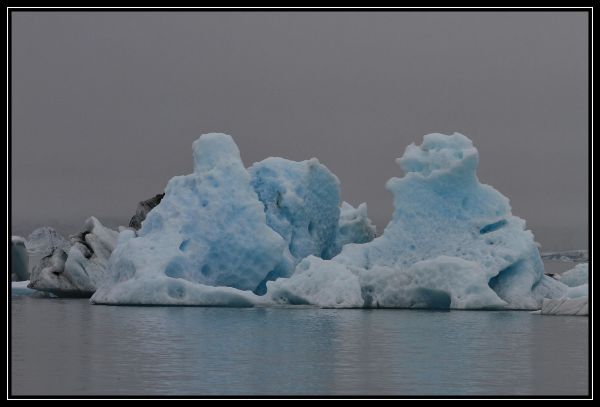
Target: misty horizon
(105,106)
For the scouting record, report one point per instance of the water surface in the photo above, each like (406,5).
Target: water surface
(67,346)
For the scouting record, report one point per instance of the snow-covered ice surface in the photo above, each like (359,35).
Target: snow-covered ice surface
(221,232)
(452,243)
(76,271)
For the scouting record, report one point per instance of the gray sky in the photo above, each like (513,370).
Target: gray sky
(106,105)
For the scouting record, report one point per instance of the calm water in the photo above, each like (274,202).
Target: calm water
(67,346)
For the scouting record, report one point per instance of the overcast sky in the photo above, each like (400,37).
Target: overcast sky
(105,106)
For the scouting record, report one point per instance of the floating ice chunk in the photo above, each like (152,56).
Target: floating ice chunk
(575,256)
(565,306)
(575,299)
(19,289)
(208,230)
(78,272)
(443,213)
(19,266)
(576,276)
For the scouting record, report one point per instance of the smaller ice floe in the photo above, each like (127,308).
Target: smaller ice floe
(572,256)
(20,289)
(565,306)
(78,271)
(575,300)
(19,266)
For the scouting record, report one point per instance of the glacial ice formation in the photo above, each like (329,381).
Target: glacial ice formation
(452,243)
(19,266)
(209,229)
(77,271)
(223,232)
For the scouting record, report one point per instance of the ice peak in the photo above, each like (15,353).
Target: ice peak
(439,153)
(214,149)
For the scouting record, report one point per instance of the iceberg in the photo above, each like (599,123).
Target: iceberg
(219,234)
(452,243)
(575,299)
(208,232)
(75,271)
(274,234)
(19,260)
